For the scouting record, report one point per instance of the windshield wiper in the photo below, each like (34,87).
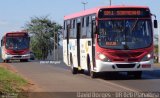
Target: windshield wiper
(126,47)
(134,25)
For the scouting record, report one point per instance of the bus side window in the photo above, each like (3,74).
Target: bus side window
(83,28)
(64,31)
(87,21)
(68,31)
(64,25)
(82,22)
(73,23)
(88,26)
(72,29)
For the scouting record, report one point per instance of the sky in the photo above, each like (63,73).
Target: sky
(14,14)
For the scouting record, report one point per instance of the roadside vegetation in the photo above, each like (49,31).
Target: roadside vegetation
(44,33)
(156,53)
(156,48)
(10,82)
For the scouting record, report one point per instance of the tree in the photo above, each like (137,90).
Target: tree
(156,44)
(43,31)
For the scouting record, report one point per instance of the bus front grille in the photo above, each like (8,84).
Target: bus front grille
(126,60)
(125,65)
(17,56)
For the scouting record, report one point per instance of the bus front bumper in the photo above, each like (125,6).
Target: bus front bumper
(17,57)
(123,67)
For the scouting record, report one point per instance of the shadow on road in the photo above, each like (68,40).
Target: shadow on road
(146,75)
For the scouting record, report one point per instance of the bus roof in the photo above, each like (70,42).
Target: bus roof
(17,32)
(96,10)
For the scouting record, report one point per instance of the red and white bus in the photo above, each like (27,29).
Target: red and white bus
(15,46)
(109,39)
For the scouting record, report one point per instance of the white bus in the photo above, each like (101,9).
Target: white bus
(109,39)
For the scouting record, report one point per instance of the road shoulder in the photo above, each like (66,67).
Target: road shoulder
(29,87)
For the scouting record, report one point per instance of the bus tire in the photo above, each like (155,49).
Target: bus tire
(90,72)
(73,69)
(24,60)
(6,61)
(21,60)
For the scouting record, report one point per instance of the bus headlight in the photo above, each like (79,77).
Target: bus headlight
(104,58)
(148,57)
(8,53)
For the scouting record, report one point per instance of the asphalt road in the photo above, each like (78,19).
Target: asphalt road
(58,78)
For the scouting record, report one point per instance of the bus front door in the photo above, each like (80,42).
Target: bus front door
(93,41)
(68,33)
(78,42)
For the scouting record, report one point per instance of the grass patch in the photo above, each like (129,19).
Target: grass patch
(10,82)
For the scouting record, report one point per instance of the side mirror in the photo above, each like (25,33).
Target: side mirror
(1,42)
(155,24)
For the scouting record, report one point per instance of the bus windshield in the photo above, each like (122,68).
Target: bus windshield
(17,43)
(125,34)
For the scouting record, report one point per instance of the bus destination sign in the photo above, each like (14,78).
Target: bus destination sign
(137,12)
(16,34)
(124,13)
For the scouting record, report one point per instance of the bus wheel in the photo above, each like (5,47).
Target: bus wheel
(73,69)
(6,61)
(93,74)
(90,72)
(24,60)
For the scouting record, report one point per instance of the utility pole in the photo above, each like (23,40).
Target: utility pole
(57,45)
(54,45)
(84,4)
(110,2)
(159,43)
